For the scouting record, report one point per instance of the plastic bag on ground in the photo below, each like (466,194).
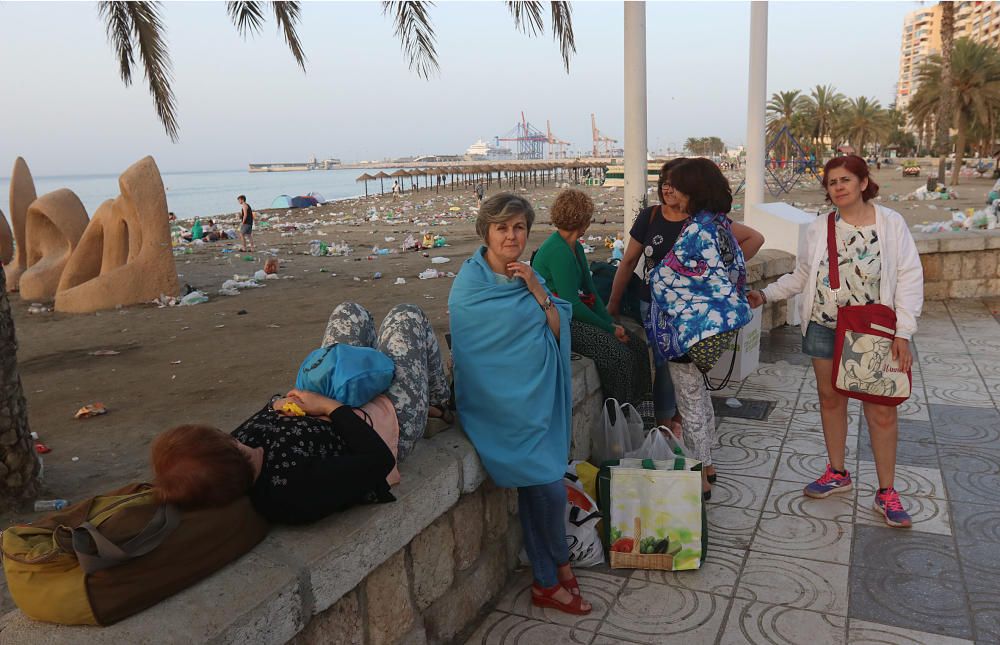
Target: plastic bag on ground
(194,298)
(656,446)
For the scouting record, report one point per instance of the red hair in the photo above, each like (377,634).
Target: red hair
(199,467)
(857,167)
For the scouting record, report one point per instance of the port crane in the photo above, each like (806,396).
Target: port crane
(529,139)
(557,147)
(600,139)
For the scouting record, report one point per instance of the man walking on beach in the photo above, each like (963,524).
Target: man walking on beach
(395,189)
(479,194)
(246,224)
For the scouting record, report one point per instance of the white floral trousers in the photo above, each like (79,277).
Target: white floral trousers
(695,406)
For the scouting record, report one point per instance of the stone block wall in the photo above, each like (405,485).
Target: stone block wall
(763,269)
(960,265)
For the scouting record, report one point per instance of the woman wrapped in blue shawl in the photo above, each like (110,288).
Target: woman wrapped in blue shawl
(513,387)
(698,292)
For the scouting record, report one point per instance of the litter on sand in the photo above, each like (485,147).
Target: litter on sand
(104,352)
(92,410)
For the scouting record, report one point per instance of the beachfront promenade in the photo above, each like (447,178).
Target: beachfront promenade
(786,569)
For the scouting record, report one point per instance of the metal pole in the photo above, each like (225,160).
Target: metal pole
(756,102)
(635,111)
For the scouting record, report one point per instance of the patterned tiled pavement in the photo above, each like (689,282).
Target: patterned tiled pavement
(782,568)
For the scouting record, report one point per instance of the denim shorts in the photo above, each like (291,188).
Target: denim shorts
(818,341)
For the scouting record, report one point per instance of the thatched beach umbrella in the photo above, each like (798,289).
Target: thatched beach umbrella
(365,178)
(381,176)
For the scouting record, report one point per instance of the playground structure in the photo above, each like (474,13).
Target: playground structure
(782,175)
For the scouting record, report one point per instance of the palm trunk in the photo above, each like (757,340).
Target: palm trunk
(947,91)
(18,462)
(956,169)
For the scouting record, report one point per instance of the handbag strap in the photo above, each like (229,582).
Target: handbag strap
(108,554)
(831,250)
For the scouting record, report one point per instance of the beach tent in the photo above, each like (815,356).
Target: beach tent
(319,198)
(282,201)
(303,201)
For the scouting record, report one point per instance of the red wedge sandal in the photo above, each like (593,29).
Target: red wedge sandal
(544,598)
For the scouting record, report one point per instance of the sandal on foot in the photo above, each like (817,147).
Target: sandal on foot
(571,585)
(712,478)
(543,597)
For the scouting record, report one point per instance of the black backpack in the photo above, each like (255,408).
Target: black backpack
(604,278)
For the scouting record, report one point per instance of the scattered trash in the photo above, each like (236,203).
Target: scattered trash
(241,312)
(194,298)
(92,410)
(39,308)
(271,266)
(378,275)
(400,281)
(260,274)
(42,449)
(440,260)
(51,504)
(104,352)
(733,402)
(175,362)
(75,459)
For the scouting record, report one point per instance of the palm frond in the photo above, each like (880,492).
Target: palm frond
(247,16)
(286,14)
(118,23)
(527,16)
(413,28)
(149,33)
(562,30)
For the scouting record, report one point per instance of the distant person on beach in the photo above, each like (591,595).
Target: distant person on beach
(622,359)
(300,468)
(171,217)
(246,224)
(480,191)
(395,189)
(513,386)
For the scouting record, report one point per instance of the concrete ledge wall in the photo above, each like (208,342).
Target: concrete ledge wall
(763,269)
(418,570)
(960,265)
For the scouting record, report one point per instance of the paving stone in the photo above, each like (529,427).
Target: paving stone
(794,582)
(787,498)
(929,514)
(862,632)
(757,622)
(744,461)
(803,537)
(966,426)
(599,588)
(909,430)
(740,491)
(731,527)
(503,629)
(802,469)
(984,603)
(717,575)
(922,453)
(739,435)
(975,523)
(910,552)
(960,392)
(910,480)
(646,612)
(971,475)
(933,605)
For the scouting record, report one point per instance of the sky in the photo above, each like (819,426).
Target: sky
(66,111)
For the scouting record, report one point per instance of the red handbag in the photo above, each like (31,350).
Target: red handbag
(863,367)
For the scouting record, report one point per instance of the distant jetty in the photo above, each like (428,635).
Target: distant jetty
(326,164)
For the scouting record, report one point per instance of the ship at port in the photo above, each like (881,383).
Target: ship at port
(312,164)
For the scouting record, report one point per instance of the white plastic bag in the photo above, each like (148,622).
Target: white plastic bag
(621,432)
(657,446)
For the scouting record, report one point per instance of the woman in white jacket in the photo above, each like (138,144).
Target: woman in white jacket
(878,263)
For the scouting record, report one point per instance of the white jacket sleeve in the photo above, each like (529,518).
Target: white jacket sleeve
(793,283)
(909,295)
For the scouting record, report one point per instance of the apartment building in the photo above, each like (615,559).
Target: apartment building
(979,21)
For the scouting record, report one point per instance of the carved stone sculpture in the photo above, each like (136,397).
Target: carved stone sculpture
(22,193)
(54,225)
(6,241)
(125,256)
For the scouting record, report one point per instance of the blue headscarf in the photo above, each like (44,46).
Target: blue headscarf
(698,290)
(513,384)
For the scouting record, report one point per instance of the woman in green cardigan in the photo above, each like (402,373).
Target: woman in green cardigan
(622,359)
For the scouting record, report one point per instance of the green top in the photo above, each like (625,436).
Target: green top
(567,274)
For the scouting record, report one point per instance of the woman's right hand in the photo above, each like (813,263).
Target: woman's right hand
(313,404)
(526,273)
(756,298)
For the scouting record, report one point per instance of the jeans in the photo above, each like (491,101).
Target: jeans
(818,341)
(664,399)
(542,510)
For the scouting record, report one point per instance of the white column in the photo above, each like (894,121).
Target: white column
(635,111)
(756,102)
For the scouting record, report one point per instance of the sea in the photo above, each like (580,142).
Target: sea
(214,192)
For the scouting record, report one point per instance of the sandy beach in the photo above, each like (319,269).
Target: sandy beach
(220,361)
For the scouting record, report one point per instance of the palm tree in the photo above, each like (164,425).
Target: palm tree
(973,85)
(942,142)
(825,102)
(781,111)
(18,461)
(864,121)
(136,31)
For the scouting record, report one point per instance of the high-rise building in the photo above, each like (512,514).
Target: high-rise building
(979,21)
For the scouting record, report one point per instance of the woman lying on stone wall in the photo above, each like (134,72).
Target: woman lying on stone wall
(299,469)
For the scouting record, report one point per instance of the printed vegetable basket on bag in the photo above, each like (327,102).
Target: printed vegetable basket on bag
(655,516)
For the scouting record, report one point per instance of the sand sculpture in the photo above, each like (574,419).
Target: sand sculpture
(6,241)
(125,255)
(54,225)
(22,193)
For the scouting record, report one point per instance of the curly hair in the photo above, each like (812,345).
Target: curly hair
(198,466)
(572,210)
